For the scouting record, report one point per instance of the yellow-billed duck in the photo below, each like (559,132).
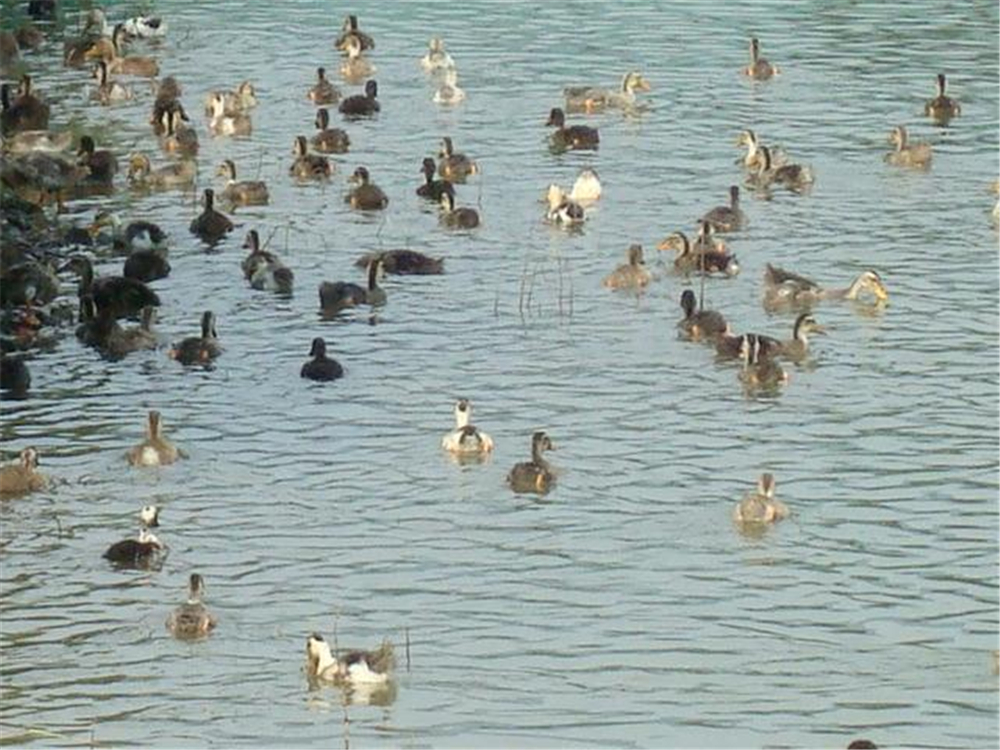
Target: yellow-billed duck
(784,289)
(202,349)
(596,99)
(335,296)
(321,367)
(535,475)
(452,166)
(631,275)
(352,668)
(121,297)
(700,325)
(727,218)
(906,154)
(365,195)
(466,439)
(362,105)
(155,450)
(22,477)
(457,218)
(329,140)
(942,108)
(308,166)
(759,68)
(323,92)
(573,137)
(263,269)
(192,620)
(244,192)
(760,506)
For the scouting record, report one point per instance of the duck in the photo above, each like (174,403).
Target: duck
(535,475)
(178,137)
(10,52)
(403,262)
(308,166)
(942,108)
(22,477)
(25,112)
(759,68)
(865,744)
(102,165)
(192,620)
(321,367)
(108,91)
(457,218)
(784,289)
(595,99)
(365,195)
(199,349)
(39,177)
(586,188)
(329,140)
(760,370)
(137,27)
(362,105)
(354,667)
(751,160)
(237,101)
(221,123)
(436,59)
(795,349)
(211,225)
(690,261)
(355,67)
(155,450)
(164,106)
(760,506)
(795,177)
(432,189)
(700,325)
(15,377)
(31,282)
(122,341)
(110,50)
(244,193)
(179,174)
(323,92)
(48,141)
(121,297)
(466,439)
(906,154)
(76,49)
(349,30)
(143,552)
(136,235)
(452,166)
(263,269)
(573,137)
(727,218)
(149,516)
(448,91)
(631,275)
(335,296)
(98,327)
(563,209)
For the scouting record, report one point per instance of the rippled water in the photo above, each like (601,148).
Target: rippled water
(623,608)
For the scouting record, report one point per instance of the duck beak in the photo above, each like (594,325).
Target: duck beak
(817,328)
(881,293)
(664,244)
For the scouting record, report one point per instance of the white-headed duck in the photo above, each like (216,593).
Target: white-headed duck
(466,439)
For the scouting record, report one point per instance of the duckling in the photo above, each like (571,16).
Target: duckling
(917,155)
(562,209)
(48,141)
(263,269)
(795,177)
(448,92)
(329,140)
(350,29)
(690,261)
(574,137)
(321,367)
(759,68)
(131,65)
(454,167)
(323,92)
(25,112)
(211,225)
(354,667)
(180,174)
(753,145)
(143,552)
(238,101)
(795,349)
(403,262)
(631,275)
(784,289)
(436,59)
(586,188)
(108,91)
(308,166)
(338,295)
(760,506)
(698,325)
(15,377)
(221,123)
(22,477)
(102,164)
(760,370)
(362,105)
(199,349)
(466,439)
(727,218)
(355,67)
(942,108)
(245,193)
(457,218)
(432,189)
(535,475)
(192,620)
(594,99)
(122,341)
(366,195)
(155,450)
(178,137)
(121,297)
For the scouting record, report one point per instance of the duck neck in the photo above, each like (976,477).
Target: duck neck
(800,334)
(901,140)
(373,277)
(461,418)
(538,457)
(323,659)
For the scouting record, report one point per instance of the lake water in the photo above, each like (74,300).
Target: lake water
(623,608)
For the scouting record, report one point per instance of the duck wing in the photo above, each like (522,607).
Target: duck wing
(774,276)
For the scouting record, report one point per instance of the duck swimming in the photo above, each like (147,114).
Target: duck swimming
(727,218)
(795,349)
(436,59)
(586,188)
(263,269)
(784,289)
(593,99)
(631,275)
(942,108)
(698,325)
(448,91)
(321,367)
(795,177)
(177,137)
(211,225)
(432,189)
(143,552)
(192,620)
(22,477)
(238,101)
(574,137)
(108,91)
(362,105)
(97,328)
(102,165)
(457,218)
(228,123)
(753,156)
(535,475)
(689,260)
(355,67)
(759,68)
(354,667)
(563,209)
(760,506)
(452,166)
(196,350)
(308,166)
(25,112)
(121,341)
(350,29)
(180,174)
(465,439)
(403,262)
(906,154)
(761,372)
(323,92)
(329,140)
(365,195)
(155,450)
(119,296)
(243,193)
(338,295)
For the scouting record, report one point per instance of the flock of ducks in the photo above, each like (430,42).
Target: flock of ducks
(35,170)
